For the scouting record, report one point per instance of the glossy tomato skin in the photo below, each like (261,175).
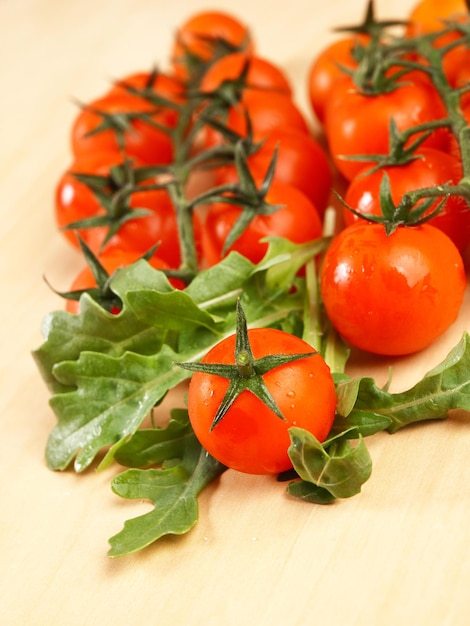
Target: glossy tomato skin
(142,140)
(326,70)
(297,220)
(261,73)
(392,295)
(251,438)
(111,262)
(431,168)
(358,124)
(198,34)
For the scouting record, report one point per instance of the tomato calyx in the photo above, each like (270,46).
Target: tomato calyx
(196,65)
(246,374)
(370,25)
(120,122)
(248,195)
(408,212)
(102,293)
(113,193)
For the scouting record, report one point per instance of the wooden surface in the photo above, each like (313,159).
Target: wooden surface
(399,553)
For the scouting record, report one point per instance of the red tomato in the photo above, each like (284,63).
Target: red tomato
(428,16)
(392,295)
(358,124)
(200,36)
(142,138)
(266,111)
(430,169)
(261,73)
(297,220)
(159,83)
(111,262)
(301,162)
(73,199)
(326,70)
(250,437)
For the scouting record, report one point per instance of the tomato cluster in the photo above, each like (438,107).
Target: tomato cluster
(395,116)
(128,185)
(214,155)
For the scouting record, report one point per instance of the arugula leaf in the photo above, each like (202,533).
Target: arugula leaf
(111,398)
(173,491)
(152,446)
(444,388)
(336,466)
(93,330)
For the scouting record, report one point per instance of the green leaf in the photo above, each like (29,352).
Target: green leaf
(174,493)
(364,423)
(110,399)
(336,466)
(172,311)
(444,388)
(93,330)
(284,259)
(309,492)
(221,284)
(152,446)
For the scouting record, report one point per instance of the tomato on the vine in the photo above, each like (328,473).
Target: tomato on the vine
(205,36)
(296,219)
(392,294)
(358,124)
(158,83)
(328,67)
(430,168)
(301,162)
(75,201)
(428,16)
(266,110)
(260,73)
(85,280)
(251,437)
(118,117)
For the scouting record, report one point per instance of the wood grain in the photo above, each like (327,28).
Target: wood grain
(399,553)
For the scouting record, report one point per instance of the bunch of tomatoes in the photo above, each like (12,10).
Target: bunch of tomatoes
(184,166)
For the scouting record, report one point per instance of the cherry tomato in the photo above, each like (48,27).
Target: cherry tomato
(251,438)
(85,280)
(392,295)
(266,111)
(358,124)
(74,201)
(297,220)
(200,36)
(301,162)
(428,16)
(430,169)
(161,84)
(141,137)
(261,73)
(327,68)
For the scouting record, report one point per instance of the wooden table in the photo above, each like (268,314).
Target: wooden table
(399,553)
